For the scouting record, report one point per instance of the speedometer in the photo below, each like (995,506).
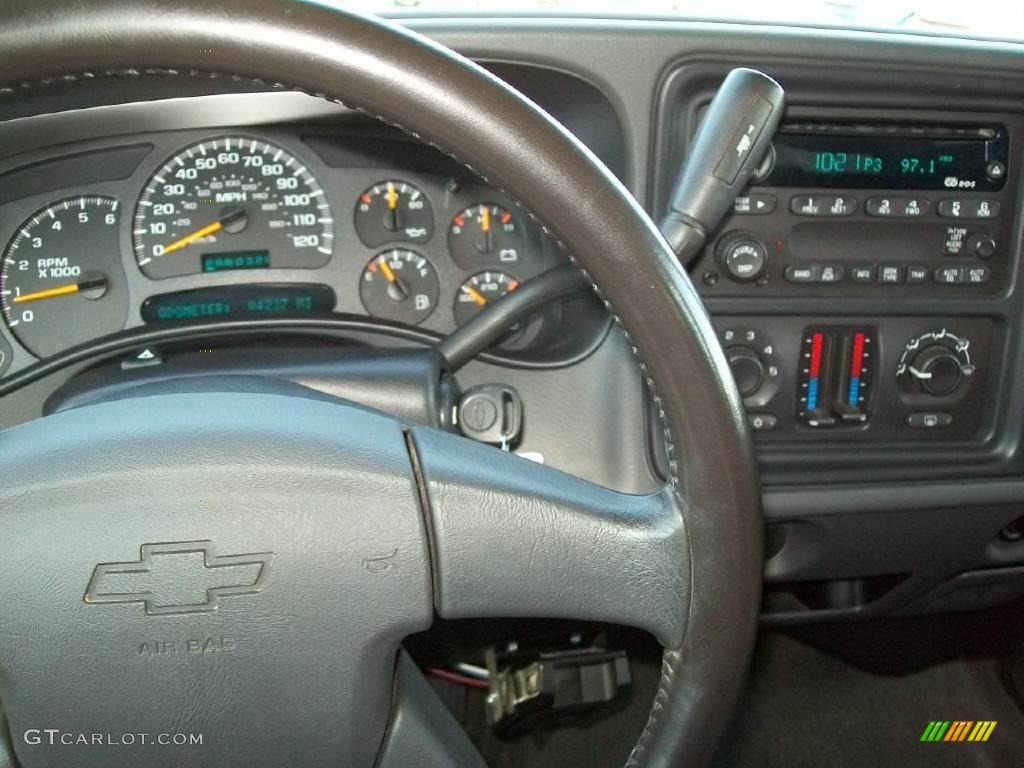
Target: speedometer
(232,202)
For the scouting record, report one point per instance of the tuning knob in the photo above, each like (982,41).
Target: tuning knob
(747,369)
(743,256)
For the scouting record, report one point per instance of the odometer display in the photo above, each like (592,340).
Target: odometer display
(234,301)
(226,196)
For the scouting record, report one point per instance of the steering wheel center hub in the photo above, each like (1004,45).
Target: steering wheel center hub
(237,547)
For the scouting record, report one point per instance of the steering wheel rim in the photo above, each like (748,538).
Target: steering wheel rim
(448,102)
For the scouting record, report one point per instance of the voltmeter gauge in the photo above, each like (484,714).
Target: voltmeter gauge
(393,211)
(486,234)
(400,285)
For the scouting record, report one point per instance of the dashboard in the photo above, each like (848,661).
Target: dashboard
(202,226)
(866,287)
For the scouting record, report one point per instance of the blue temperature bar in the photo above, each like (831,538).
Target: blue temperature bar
(856,368)
(814,371)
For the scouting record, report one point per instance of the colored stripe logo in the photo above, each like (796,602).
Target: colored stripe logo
(958,730)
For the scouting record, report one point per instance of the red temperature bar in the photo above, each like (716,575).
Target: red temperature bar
(816,342)
(857,360)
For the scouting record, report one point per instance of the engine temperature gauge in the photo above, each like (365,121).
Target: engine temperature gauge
(480,290)
(400,285)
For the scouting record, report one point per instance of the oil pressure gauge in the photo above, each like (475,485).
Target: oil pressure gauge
(393,211)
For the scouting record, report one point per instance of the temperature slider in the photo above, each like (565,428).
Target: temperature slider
(836,376)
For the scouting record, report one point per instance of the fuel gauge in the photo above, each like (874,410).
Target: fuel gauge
(400,285)
(393,211)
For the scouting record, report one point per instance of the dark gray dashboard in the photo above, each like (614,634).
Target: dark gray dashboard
(876,518)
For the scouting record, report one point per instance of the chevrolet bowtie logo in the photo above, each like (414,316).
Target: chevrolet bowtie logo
(178,577)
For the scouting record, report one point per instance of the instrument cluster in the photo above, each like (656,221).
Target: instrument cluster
(272,222)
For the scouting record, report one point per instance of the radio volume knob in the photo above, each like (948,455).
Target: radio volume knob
(743,256)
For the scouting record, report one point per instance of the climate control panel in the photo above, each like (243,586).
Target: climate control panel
(844,380)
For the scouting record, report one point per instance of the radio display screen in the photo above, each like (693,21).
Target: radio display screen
(887,162)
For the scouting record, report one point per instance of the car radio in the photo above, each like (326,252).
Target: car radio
(860,209)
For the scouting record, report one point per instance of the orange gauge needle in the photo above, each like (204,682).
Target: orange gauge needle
(209,229)
(485,219)
(391,220)
(389,275)
(475,295)
(61,290)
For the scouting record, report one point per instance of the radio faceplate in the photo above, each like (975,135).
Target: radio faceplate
(852,239)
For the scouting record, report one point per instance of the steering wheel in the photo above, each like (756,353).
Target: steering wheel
(318,534)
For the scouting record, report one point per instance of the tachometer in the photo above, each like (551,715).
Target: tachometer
(61,283)
(232,202)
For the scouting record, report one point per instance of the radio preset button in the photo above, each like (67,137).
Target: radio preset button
(841,206)
(986,209)
(823,205)
(917,273)
(968,209)
(754,204)
(805,205)
(951,275)
(890,274)
(803,274)
(914,207)
(880,206)
(897,207)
